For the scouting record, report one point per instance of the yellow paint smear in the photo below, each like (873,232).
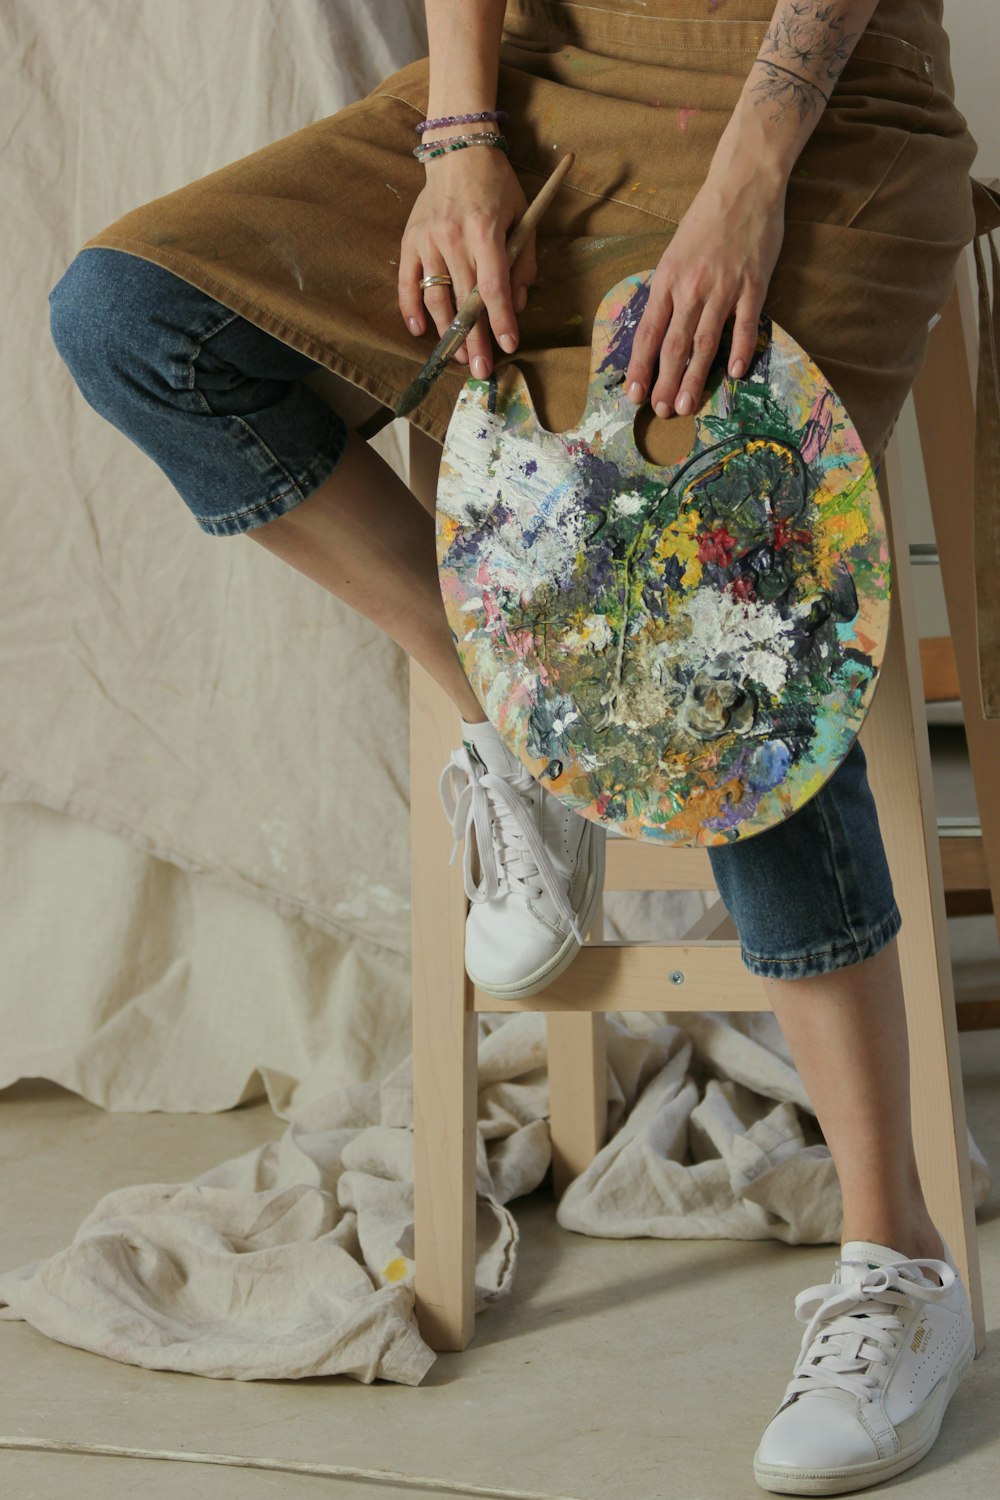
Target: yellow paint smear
(849,529)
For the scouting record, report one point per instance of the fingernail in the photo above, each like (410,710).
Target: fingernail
(736,368)
(521,300)
(662,409)
(414,325)
(684,403)
(508,342)
(479,367)
(635,391)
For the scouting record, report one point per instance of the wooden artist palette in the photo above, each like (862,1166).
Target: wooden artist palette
(684,652)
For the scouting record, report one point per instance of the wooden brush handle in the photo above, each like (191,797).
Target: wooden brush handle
(537,207)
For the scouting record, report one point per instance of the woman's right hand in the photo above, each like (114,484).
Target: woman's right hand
(460,223)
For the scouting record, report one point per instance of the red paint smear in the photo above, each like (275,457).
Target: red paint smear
(716,546)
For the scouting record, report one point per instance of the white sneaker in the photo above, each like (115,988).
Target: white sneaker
(881,1358)
(541,863)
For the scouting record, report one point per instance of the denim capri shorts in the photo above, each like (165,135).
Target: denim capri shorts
(219,405)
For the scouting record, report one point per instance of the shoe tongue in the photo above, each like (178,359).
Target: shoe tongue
(871,1257)
(483,742)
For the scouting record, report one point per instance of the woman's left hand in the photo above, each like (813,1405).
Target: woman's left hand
(720,258)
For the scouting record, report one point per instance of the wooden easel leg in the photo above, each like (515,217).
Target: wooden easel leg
(895,738)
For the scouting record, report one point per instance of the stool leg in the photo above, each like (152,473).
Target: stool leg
(578,1083)
(895,736)
(578,1092)
(946,421)
(444,1040)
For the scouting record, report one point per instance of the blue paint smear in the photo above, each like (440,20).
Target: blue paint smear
(768,766)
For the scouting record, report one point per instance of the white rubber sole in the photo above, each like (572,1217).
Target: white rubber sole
(531,984)
(784,1481)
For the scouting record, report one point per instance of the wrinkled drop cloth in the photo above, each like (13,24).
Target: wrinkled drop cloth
(297,1258)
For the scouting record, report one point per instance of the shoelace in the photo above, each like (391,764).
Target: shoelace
(850,1328)
(519,853)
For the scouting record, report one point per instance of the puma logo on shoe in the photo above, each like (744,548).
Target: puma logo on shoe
(920,1339)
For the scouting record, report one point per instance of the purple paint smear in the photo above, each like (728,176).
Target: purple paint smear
(620,344)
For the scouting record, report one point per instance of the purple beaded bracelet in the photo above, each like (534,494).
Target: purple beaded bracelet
(485,114)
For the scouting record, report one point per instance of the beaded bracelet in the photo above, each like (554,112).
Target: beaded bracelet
(484,114)
(468,135)
(459,142)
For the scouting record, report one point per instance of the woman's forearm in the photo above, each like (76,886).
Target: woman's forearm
(804,50)
(464,50)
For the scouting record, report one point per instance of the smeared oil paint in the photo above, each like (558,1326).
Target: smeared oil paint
(684,652)
(684,113)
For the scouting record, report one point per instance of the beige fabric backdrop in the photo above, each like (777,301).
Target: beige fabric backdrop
(230,889)
(195,695)
(225,910)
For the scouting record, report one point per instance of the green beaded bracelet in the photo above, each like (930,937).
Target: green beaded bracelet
(429,149)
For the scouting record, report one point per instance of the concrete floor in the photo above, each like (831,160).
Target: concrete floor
(627,1369)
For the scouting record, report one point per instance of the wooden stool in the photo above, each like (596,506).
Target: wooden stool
(618,976)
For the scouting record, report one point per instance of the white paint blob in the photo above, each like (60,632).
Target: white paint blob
(728,633)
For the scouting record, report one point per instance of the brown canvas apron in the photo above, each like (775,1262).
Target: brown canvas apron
(302,237)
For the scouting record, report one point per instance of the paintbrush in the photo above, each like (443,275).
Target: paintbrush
(461,325)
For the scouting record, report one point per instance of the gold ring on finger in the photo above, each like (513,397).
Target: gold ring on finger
(441,280)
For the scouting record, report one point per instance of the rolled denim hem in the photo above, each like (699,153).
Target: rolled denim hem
(308,480)
(839,956)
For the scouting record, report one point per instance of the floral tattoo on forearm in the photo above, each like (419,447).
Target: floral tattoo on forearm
(804,49)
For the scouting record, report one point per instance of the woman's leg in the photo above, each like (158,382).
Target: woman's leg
(365,537)
(888,1338)
(229,415)
(847,1034)
(226,411)
(813,903)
